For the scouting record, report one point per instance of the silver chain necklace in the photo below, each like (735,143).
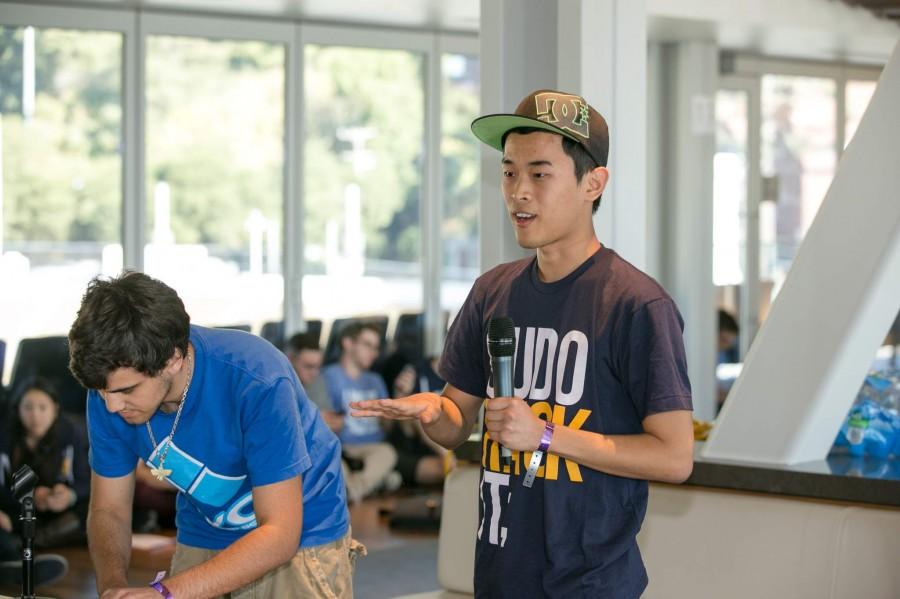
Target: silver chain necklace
(162,472)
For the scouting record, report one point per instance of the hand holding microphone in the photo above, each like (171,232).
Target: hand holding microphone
(509,420)
(502,349)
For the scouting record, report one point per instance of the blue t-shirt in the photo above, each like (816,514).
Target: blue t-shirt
(599,350)
(342,389)
(246,423)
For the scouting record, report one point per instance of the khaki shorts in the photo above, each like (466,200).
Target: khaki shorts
(321,571)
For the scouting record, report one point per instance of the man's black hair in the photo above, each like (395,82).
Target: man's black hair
(727,323)
(131,321)
(583,161)
(302,342)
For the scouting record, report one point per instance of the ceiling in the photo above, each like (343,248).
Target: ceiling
(454,15)
(864,31)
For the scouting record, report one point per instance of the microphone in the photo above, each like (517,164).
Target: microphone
(502,349)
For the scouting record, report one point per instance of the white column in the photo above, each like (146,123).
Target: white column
(812,353)
(294,234)
(688,72)
(1,185)
(595,48)
(133,167)
(431,207)
(603,55)
(517,56)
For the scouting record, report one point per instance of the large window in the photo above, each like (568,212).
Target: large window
(197,149)
(798,136)
(730,191)
(856,100)
(61,183)
(779,128)
(459,152)
(214,125)
(363,178)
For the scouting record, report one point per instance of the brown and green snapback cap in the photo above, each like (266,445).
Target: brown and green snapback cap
(554,111)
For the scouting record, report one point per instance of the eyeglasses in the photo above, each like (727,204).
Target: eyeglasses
(373,345)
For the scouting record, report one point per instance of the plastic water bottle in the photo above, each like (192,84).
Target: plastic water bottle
(856,430)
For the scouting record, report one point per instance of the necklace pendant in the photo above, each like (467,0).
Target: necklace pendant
(160,473)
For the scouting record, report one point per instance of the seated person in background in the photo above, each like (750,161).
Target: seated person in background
(361,438)
(420,460)
(306,357)
(726,346)
(726,353)
(54,447)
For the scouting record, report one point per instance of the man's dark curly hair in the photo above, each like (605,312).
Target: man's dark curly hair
(131,321)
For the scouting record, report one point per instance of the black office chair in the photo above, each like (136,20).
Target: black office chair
(314,328)
(409,335)
(273,332)
(48,357)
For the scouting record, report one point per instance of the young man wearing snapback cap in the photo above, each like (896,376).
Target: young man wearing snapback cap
(600,365)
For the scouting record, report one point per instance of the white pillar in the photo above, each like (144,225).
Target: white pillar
(688,79)
(595,48)
(1,185)
(603,55)
(810,357)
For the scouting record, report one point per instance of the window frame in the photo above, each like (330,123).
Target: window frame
(136,25)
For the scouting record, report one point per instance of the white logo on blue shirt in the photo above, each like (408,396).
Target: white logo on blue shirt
(226,502)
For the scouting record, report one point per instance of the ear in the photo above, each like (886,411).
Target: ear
(174,364)
(594,182)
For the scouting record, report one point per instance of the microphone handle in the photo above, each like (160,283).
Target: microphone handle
(502,368)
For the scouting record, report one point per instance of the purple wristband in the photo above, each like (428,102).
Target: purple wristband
(161,589)
(546,437)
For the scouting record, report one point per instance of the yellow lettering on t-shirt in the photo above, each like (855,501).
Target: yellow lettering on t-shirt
(572,469)
(490,449)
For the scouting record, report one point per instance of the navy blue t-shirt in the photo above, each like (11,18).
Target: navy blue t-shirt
(599,350)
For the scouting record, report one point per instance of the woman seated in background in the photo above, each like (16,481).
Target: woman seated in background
(55,447)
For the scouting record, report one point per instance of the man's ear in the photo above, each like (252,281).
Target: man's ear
(595,182)
(173,364)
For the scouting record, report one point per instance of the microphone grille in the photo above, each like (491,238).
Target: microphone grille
(501,337)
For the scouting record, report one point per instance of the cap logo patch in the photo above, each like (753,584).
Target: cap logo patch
(564,111)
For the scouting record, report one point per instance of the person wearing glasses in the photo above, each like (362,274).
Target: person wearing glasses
(368,459)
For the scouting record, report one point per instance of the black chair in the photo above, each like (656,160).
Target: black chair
(333,347)
(273,332)
(409,334)
(48,357)
(314,328)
